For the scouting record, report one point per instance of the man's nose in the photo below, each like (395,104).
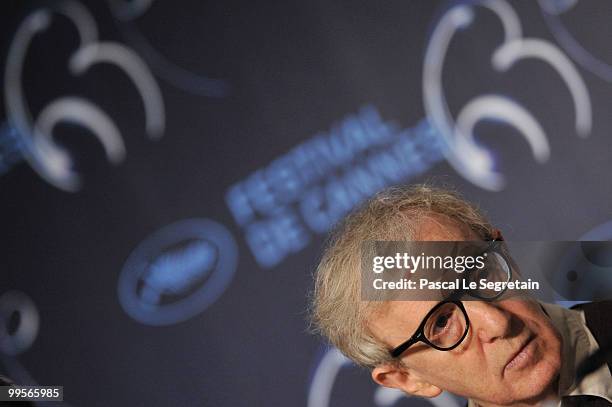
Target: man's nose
(490,321)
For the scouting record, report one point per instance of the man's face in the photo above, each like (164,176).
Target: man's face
(512,352)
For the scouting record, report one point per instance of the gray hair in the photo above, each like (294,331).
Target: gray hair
(337,311)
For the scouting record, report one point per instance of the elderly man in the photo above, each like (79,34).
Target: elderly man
(513,352)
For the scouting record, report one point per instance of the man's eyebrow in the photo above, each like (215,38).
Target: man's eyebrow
(415,320)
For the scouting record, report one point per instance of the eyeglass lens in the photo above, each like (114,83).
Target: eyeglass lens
(446,326)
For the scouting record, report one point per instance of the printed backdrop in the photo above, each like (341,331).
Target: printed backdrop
(169,170)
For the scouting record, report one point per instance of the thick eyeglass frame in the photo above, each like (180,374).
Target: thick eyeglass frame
(419,335)
(492,247)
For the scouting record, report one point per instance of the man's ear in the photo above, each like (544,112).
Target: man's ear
(404,379)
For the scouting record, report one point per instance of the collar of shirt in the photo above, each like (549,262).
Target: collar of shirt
(578,344)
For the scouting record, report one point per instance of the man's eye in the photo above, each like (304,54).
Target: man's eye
(442,325)
(441,321)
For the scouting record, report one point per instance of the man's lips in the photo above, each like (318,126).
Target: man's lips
(522,356)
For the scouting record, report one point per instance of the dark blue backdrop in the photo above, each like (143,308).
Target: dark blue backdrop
(168,171)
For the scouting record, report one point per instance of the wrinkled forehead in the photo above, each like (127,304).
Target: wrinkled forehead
(395,321)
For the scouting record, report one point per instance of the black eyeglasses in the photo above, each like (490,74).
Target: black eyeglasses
(443,328)
(446,325)
(497,269)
